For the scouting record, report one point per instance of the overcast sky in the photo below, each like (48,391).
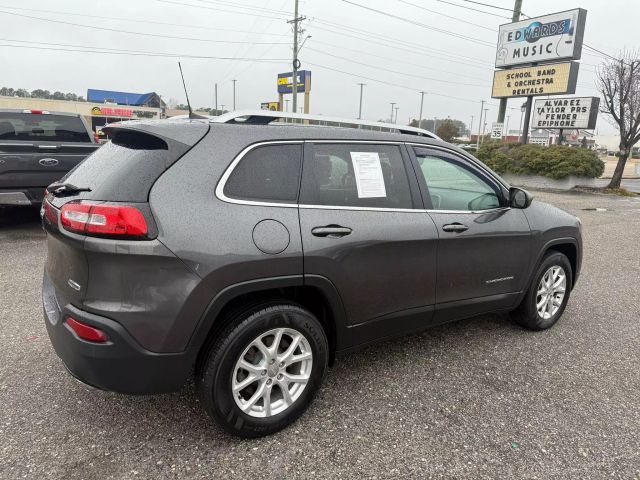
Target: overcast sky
(456,72)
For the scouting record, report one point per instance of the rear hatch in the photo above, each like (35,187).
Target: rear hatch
(37,148)
(120,174)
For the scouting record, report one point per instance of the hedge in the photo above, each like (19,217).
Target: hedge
(554,161)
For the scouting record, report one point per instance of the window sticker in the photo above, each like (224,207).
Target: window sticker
(368,172)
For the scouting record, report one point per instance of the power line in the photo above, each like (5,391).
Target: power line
(474,9)
(387,83)
(93,27)
(423,25)
(404,46)
(377,67)
(115,51)
(488,5)
(150,22)
(412,64)
(218,9)
(244,7)
(447,16)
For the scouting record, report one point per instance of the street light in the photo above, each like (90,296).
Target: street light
(523,109)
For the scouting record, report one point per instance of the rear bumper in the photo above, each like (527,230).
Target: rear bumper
(18,198)
(120,365)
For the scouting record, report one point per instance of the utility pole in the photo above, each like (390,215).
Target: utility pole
(222,108)
(479,124)
(484,125)
(421,103)
(296,63)
(216,97)
(234,93)
(396,120)
(435,125)
(360,109)
(502,109)
(392,105)
(471,128)
(507,127)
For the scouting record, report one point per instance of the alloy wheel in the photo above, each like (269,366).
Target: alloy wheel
(272,372)
(551,291)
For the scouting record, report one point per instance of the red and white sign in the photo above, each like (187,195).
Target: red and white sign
(112,112)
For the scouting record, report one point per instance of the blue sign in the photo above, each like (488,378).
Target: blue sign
(285,82)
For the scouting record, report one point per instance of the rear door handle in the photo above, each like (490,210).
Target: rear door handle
(455,227)
(331,231)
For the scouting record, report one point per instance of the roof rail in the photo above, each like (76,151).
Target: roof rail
(264,117)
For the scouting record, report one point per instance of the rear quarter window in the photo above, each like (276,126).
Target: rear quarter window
(269,173)
(42,127)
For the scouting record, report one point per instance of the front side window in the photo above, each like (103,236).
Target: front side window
(453,186)
(355,175)
(270,173)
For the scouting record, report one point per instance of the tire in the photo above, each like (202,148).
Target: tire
(242,338)
(527,314)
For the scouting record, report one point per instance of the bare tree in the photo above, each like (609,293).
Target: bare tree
(619,83)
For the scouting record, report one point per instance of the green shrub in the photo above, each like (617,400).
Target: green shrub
(555,161)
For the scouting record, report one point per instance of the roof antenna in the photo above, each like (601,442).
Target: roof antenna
(191,114)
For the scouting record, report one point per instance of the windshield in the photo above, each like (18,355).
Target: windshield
(42,127)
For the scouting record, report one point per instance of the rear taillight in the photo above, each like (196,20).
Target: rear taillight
(87,332)
(102,219)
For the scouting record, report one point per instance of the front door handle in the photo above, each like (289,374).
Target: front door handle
(455,227)
(331,231)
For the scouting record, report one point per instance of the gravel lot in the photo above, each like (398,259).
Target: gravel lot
(480,398)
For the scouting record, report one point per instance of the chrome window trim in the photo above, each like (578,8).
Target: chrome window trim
(361,209)
(219,191)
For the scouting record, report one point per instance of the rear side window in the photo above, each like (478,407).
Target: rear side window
(270,173)
(356,175)
(42,127)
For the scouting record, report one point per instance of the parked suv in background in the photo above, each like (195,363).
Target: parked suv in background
(252,254)
(37,148)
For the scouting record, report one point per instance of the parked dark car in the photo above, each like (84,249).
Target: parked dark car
(37,148)
(250,255)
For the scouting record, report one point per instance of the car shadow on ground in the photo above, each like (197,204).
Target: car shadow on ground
(180,414)
(19,216)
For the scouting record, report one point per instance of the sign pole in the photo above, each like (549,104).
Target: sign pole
(560,137)
(527,117)
(502,109)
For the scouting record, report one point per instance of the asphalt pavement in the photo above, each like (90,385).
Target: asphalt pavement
(480,398)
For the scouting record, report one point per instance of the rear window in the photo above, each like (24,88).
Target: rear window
(117,173)
(42,127)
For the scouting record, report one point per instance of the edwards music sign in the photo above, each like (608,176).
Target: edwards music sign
(553,37)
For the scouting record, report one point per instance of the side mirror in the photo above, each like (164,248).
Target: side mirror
(519,198)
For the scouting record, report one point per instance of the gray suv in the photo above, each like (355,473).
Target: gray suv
(249,255)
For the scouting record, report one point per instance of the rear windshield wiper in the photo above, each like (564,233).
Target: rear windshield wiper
(64,189)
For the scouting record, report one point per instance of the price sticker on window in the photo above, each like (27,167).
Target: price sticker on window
(368,172)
